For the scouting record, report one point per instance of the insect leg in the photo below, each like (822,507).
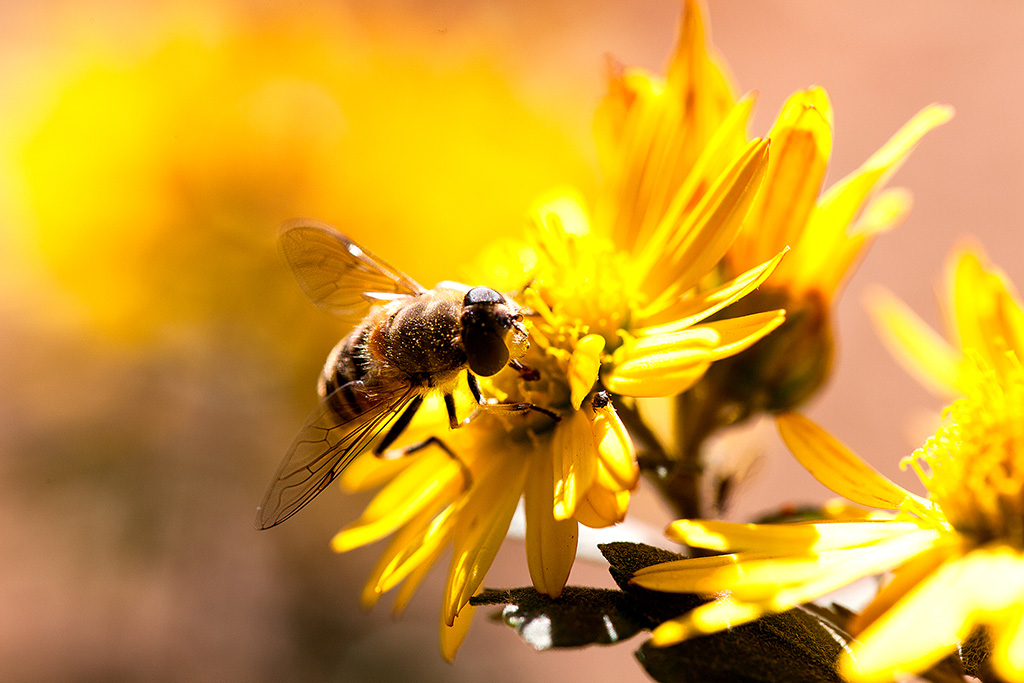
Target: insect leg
(526,373)
(467,476)
(521,408)
(399,426)
(474,387)
(449,404)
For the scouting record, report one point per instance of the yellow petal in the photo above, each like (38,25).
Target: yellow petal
(664,131)
(783,539)
(614,448)
(801,145)
(431,479)
(906,577)
(574,460)
(602,507)
(453,635)
(709,618)
(416,543)
(550,543)
(917,632)
(842,567)
(988,310)
(482,525)
(584,366)
(835,466)
(738,334)
(670,363)
(783,580)
(661,365)
(942,609)
(826,231)
(883,213)
(412,582)
(692,310)
(704,234)
(697,78)
(1008,649)
(369,471)
(921,350)
(726,144)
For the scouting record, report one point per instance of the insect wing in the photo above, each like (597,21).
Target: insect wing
(325,446)
(337,274)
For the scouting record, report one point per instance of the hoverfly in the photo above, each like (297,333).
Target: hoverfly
(406,341)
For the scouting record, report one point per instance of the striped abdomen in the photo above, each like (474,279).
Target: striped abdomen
(347,364)
(412,342)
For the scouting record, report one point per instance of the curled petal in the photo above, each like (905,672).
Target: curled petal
(738,334)
(615,449)
(801,145)
(574,457)
(453,635)
(584,366)
(661,365)
(602,507)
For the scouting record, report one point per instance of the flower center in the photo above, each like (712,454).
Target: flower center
(583,280)
(974,465)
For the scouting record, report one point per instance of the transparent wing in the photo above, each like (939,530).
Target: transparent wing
(326,445)
(337,274)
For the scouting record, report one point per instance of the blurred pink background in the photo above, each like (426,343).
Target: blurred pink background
(157,358)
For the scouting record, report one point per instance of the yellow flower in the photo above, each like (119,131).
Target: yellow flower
(985,315)
(616,314)
(957,556)
(827,233)
(695,109)
(681,130)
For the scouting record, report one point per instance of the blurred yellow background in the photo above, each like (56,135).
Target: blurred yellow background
(156,357)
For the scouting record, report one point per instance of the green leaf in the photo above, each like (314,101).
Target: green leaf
(585,616)
(625,559)
(580,616)
(791,647)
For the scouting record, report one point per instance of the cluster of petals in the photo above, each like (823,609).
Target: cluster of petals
(956,557)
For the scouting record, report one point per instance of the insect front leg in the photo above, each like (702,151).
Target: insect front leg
(474,387)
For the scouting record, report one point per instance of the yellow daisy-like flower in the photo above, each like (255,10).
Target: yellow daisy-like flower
(616,314)
(827,232)
(695,107)
(985,315)
(957,556)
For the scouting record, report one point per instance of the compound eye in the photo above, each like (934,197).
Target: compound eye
(482,295)
(486,353)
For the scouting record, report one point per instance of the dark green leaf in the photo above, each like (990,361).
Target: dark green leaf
(625,559)
(792,647)
(580,616)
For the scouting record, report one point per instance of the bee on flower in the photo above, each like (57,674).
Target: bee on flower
(616,312)
(956,556)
